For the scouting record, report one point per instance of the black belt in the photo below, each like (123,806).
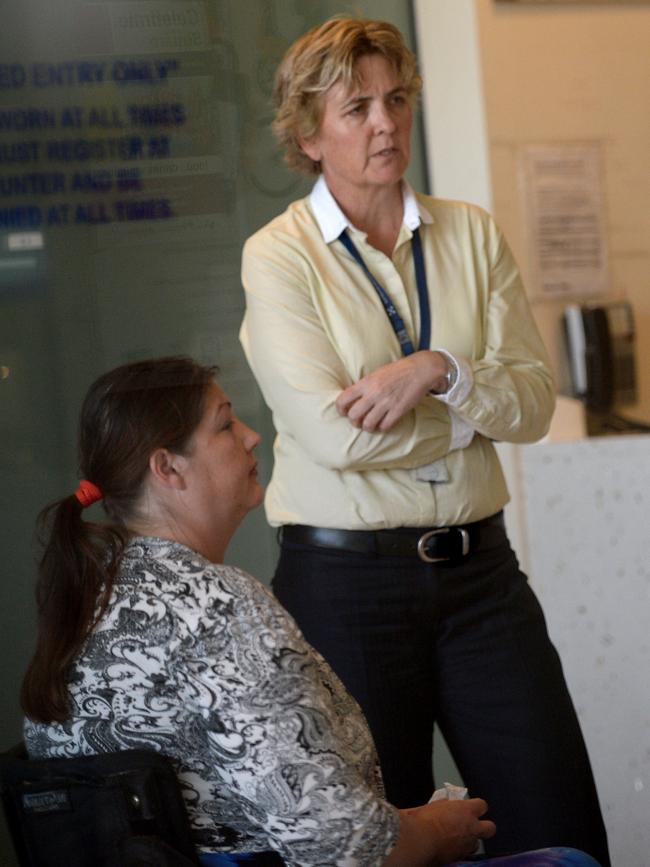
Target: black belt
(433,545)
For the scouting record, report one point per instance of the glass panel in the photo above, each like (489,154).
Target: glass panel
(135,159)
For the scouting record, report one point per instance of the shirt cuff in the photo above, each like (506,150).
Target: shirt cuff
(461,433)
(464,379)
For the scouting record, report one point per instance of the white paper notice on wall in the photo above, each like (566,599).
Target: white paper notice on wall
(561,186)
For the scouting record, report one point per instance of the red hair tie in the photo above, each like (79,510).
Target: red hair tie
(87,493)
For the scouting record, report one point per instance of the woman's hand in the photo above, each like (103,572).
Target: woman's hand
(437,833)
(381,399)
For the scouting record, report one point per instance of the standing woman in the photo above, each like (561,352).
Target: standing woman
(391,337)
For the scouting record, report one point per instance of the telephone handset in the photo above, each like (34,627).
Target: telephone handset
(600,340)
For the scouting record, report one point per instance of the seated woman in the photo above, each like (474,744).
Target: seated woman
(146,640)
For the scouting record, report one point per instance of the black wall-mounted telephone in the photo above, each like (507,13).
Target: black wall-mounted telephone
(600,345)
(600,341)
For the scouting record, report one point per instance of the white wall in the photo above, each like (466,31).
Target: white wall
(452,101)
(587,509)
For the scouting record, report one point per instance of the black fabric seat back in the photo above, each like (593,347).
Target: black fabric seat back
(110,810)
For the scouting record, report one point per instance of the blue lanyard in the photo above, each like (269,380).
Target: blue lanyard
(423,295)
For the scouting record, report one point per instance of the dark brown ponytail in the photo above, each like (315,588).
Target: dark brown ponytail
(78,562)
(128,413)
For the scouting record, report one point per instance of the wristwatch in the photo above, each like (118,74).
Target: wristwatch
(450,378)
(452,375)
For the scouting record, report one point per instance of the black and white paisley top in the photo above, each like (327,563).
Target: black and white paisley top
(200,662)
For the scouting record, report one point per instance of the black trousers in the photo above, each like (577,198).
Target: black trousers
(465,645)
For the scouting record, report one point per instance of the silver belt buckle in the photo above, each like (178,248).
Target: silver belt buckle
(424,538)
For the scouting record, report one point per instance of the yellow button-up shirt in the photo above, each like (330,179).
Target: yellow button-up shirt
(314,325)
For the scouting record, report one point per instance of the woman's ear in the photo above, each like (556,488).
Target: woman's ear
(168,468)
(311,147)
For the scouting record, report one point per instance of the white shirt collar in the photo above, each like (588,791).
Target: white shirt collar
(331,219)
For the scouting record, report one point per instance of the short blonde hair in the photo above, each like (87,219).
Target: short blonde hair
(324,56)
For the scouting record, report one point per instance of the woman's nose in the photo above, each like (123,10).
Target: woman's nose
(382,119)
(250,438)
